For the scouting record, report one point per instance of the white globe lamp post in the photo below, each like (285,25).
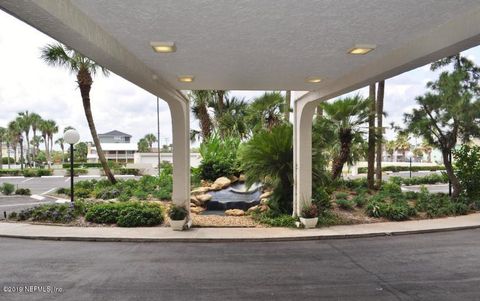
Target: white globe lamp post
(71,137)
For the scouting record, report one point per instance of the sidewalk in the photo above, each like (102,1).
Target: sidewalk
(165,234)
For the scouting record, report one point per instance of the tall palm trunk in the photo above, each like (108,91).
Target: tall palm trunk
(345,137)
(319,112)
(221,97)
(205,122)
(1,154)
(28,147)
(371,139)
(22,159)
(8,154)
(451,175)
(85,83)
(288,99)
(380,96)
(47,152)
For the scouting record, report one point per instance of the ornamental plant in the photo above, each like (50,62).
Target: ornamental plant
(177,213)
(310,211)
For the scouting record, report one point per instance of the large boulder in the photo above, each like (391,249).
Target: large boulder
(215,187)
(234,212)
(196,210)
(195,201)
(200,190)
(224,182)
(252,209)
(203,198)
(241,178)
(265,195)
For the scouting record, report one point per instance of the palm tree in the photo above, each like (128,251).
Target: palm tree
(379,138)
(265,111)
(17,139)
(231,121)
(35,121)
(286,110)
(151,139)
(200,101)
(44,128)
(60,55)
(61,143)
(346,116)
(427,148)
(36,140)
(402,144)
(371,137)
(3,134)
(25,123)
(49,128)
(390,148)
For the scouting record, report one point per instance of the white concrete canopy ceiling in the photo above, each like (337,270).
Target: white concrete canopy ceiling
(258,45)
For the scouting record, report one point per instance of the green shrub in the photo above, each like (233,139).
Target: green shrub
(428,179)
(219,157)
(341,195)
(63,190)
(12,215)
(81,192)
(55,213)
(6,159)
(354,184)
(399,211)
(283,220)
(105,213)
(345,204)
(321,199)
(89,165)
(177,213)
(360,200)
(438,205)
(467,169)
(141,215)
(140,194)
(395,168)
(37,172)
(376,208)
(7,188)
(23,191)
(76,172)
(10,172)
(391,188)
(127,171)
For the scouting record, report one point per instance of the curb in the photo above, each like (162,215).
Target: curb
(220,240)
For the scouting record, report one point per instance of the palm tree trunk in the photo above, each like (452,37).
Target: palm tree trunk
(288,99)
(47,152)
(28,148)
(221,96)
(8,154)
(85,83)
(371,139)
(22,161)
(380,96)
(205,123)
(451,175)
(1,154)
(319,112)
(338,163)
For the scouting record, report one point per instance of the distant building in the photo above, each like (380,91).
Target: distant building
(115,145)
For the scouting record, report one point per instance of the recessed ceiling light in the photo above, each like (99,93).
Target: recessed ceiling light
(361,49)
(313,80)
(163,47)
(186,78)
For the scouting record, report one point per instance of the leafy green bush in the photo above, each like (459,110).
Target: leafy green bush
(12,215)
(360,200)
(438,205)
(283,220)
(354,184)
(10,172)
(395,168)
(428,179)
(55,213)
(127,171)
(76,172)
(63,190)
(37,172)
(219,157)
(391,205)
(89,165)
(6,159)
(177,213)
(7,188)
(345,204)
(391,188)
(105,213)
(23,191)
(321,199)
(467,169)
(140,214)
(341,195)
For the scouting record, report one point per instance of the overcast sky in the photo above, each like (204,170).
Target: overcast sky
(26,83)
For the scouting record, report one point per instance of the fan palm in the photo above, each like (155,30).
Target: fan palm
(59,55)
(35,121)
(3,134)
(25,123)
(200,100)
(402,144)
(151,139)
(346,116)
(17,139)
(265,112)
(268,156)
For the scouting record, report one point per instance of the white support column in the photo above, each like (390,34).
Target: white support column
(180,112)
(303,112)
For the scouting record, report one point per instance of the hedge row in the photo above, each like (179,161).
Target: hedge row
(76,172)
(90,165)
(395,168)
(28,172)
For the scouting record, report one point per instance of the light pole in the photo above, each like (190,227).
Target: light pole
(409,157)
(71,137)
(158,136)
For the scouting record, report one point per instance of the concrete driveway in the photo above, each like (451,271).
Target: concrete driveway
(440,266)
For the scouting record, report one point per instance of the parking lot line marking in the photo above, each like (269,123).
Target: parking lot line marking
(29,179)
(68,179)
(48,191)
(37,197)
(15,177)
(24,204)
(51,176)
